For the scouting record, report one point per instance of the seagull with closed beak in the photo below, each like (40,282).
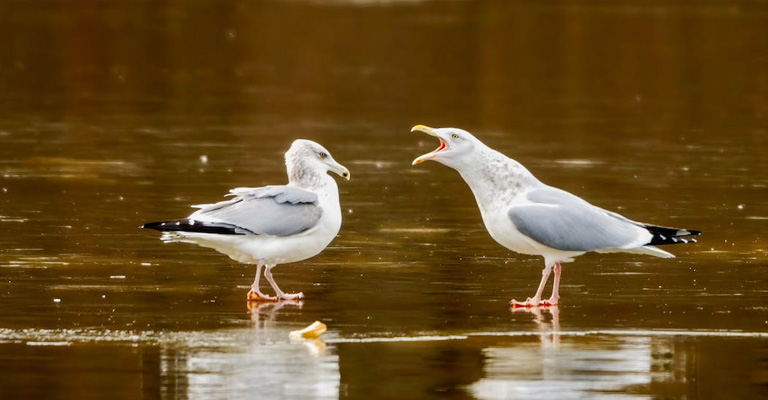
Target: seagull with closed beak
(270,225)
(529,217)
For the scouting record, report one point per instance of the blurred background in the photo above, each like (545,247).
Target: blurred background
(116,113)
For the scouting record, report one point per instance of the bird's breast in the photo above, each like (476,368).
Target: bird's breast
(504,232)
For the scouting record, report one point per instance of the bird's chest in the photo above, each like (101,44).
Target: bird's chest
(504,232)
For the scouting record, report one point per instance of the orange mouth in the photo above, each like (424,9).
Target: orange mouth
(431,154)
(431,132)
(441,147)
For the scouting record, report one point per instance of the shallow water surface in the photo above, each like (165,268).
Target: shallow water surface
(115,114)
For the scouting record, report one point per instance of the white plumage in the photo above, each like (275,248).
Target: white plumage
(270,225)
(529,217)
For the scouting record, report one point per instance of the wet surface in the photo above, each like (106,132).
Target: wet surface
(113,115)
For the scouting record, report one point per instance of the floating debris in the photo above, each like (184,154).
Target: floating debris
(311,332)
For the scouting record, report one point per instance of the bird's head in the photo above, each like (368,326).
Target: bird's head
(306,156)
(455,145)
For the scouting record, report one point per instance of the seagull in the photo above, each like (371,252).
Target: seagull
(527,216)
(270,225)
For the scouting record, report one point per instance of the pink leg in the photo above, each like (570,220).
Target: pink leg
(556,286)
(280,294)
(255,294)
(535,301)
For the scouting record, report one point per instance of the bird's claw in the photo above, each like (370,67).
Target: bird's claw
(254,295)
(530,303)
(292,296)
(258,296)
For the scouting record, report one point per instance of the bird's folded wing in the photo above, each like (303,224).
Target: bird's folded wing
(281,193)
(576,227)
(269,210)
(554,196)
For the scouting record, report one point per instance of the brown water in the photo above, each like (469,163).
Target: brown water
(658,111)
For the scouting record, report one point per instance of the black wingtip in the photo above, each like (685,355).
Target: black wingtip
(190,225)
(152,225)
(664,235)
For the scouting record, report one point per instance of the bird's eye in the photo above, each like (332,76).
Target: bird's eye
(455,136)
(323,155)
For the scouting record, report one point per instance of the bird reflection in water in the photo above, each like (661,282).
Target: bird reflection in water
(263,313)
(547,319)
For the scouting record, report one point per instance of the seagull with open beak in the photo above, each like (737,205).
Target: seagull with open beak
(529,217)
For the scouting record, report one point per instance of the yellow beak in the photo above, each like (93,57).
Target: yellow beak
(425,129)
(431,132)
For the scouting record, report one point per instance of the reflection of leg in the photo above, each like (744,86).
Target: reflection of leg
(255,294)
(535,301)
(280,293)
(549,328)
(555,311)
(556,286)
(259,309)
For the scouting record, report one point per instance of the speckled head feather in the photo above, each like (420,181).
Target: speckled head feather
(308,162)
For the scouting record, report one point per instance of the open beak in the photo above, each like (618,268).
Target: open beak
(431,155)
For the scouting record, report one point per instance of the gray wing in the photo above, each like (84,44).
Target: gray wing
(563,221)
(555,196)
(281,193)
(269,210)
